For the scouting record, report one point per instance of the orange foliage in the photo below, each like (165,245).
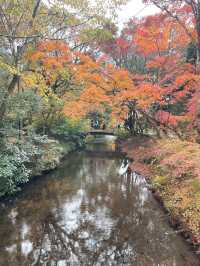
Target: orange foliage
(159,33)
(100,86)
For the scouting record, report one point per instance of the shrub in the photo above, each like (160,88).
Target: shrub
(13,171)
(122,133)
(159,181)
(69,131)
(23,159)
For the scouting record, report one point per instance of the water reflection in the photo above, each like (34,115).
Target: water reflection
(86,214)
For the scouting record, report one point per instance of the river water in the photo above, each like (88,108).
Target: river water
(86,214)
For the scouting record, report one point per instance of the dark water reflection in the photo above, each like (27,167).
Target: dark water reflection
(86,214)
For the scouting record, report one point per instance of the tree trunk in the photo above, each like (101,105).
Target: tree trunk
(10,89)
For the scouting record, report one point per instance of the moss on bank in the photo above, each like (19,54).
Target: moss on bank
(173,169)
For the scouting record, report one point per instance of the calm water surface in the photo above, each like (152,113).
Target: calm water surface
(85,214)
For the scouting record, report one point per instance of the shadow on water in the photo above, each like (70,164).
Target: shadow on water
(86,213)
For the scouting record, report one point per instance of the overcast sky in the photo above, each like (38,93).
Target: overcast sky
(135,8)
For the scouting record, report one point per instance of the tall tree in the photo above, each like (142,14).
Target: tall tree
(187,14)
(24,23)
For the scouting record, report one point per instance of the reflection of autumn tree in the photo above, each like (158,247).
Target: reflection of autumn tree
(94,218)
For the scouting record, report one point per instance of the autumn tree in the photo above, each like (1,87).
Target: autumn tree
(121,49)
(168,83)
(182,21)
(187,14)
(24,24)
(57,73)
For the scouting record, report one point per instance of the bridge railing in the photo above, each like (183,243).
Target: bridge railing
(101,132)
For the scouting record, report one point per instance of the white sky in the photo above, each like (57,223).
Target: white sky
(135,8)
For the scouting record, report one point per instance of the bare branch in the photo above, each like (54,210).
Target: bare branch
(164,8)
(36,8)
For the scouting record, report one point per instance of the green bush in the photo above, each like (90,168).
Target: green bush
(160,180)
(25,158)
(68,131)
(122,133)
(13,171)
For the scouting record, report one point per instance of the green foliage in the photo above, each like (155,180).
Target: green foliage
(191,53)
(23,105)
(13,171)
(122,133)
(99,119)
(25,131)
(23,108)
(49,113)
(160,180)
(69,131)
(196,186)
(101,35)
(25,158)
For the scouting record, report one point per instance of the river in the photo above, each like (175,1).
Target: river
(85,213)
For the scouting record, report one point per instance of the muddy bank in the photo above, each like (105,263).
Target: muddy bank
(172,169)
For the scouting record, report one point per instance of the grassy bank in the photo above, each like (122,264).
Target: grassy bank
(173,169)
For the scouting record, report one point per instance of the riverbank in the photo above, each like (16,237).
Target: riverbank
(173,170)
(53,151)
(21,161)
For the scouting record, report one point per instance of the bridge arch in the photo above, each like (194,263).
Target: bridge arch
(101,132)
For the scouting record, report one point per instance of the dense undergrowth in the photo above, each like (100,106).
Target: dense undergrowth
(174,170)
(31,155)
